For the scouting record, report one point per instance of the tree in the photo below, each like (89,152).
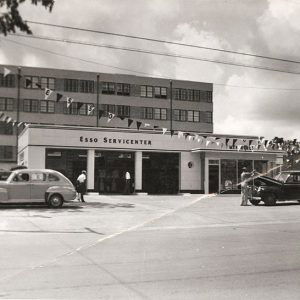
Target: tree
(11,19)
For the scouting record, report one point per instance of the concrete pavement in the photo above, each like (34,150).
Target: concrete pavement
(151,247)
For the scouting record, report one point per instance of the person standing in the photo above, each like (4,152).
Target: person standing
(81,185)
(127,183)
(245,186)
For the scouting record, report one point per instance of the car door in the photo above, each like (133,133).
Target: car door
(292,187)
(19,188)
(38,186)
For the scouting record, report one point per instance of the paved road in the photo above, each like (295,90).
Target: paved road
(151,247)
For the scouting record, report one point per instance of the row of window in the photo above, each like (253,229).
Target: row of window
(77,108)
(110,88)
(6,128)
(6,152)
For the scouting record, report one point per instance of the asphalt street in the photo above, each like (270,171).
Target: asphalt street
(151,247)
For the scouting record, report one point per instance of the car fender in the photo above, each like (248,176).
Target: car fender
(3,195)
(64,191)
(266,190)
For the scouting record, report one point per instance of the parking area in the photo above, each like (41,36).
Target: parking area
(150,247)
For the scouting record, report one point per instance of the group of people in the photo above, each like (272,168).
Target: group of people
(81,185)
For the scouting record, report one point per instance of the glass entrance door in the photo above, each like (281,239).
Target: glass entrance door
(213,179)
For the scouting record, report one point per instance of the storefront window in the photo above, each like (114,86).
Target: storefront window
(228,174)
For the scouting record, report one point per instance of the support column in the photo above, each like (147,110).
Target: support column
(90,169)
(138,170)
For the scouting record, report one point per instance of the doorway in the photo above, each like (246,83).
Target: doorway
(213,179)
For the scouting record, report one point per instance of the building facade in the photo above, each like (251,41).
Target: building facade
(69,138)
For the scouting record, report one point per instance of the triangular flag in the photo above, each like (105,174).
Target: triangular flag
(79,105)
(190,137)
(155,127)
(8,119)
(6,72)
(28,82)
(186,134)
(100,113)
(90,108)
(110,116)
(38,85)
(48,92)
(69,101)
(19,124)
(138,124)
(58,97)
(1,114)
(164,130)
(121,117)
(129,122)
(180,134)
(147,125)
(207,143)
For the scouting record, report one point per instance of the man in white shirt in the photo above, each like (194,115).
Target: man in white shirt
(127,183)
(81,185)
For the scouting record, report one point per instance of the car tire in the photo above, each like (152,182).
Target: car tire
(270,200)
(254,202)
(55,201)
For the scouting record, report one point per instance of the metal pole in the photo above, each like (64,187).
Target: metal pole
(171,106)
(18,110)
(97,112)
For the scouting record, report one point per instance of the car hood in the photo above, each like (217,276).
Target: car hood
(268,180)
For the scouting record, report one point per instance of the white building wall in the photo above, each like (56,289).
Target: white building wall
(138,164)
(36,157)
(190,178)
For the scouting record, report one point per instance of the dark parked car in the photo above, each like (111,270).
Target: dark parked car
(284,187)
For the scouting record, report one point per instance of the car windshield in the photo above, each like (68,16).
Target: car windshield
(4,175)
(282,177)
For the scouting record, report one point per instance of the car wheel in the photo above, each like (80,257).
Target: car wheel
(270,200)
(55,201)
(254,202)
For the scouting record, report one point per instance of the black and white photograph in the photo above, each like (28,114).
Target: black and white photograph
(150,149)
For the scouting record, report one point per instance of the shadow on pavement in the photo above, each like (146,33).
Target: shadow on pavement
(109,205)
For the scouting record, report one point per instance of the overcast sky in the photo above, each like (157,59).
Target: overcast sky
(246,101)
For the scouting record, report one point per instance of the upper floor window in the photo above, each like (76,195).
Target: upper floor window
(123,89)
(83,110)
(179,115)
(176,94)
(123,110)
(47,106)
(72,109)
(48,82)
(190,95)
(160,92)
(6,152)
(147,113)
(31,105)
(196,95)
(108,88)
(108,108)
(7,81)
(146,91)
(193,116)
(86,86)
(6,104)
(160,113)
(209,96)
(71,85)
(6,128)
(208,117)
(31,82)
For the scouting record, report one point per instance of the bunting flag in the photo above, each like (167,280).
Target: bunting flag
(69,101)
(227,141)
(164,130)
(121,117)
(110,116)
(20,123)
(147,125)
(1,114)
(6,71)
(155,127)
(180,134)
(138,124)
(39,85)
(58,97)
(100,113)
(48,92)
(28,82)
(207,143)
(8,119)
(191,137)
(90,109)
(234,141)
(196,137)
(186,134)
(79,105)
(130,121)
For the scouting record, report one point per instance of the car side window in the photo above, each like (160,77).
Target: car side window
(38,177)
(52,177)
(21,177)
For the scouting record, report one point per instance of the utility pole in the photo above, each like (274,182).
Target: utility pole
(97,106)
(18,110)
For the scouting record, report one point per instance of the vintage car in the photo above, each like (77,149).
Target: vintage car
(284,187)
(35,186)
